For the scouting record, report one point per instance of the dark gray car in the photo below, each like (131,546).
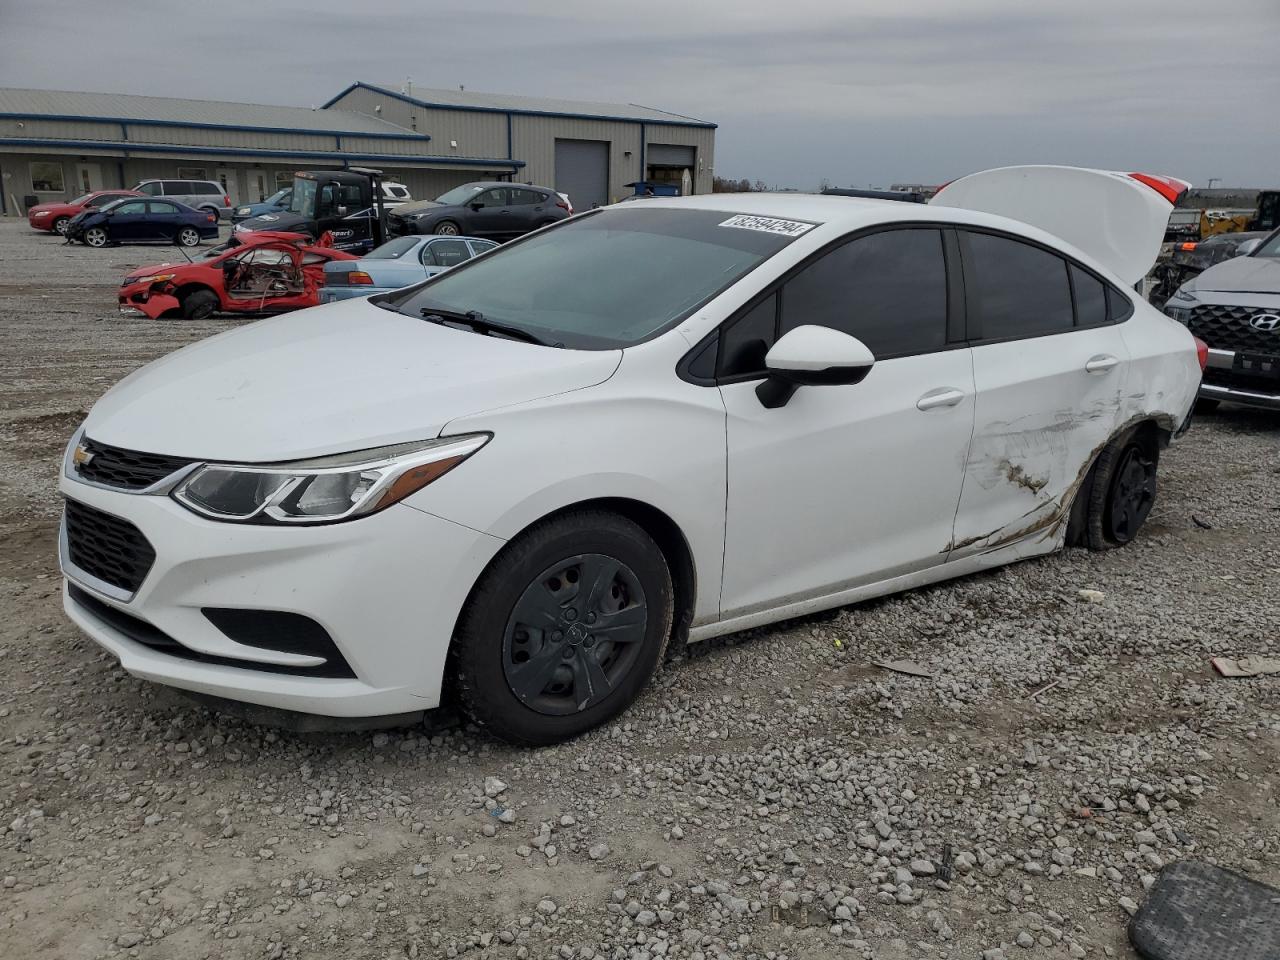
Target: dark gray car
(1234,307)
(483,209)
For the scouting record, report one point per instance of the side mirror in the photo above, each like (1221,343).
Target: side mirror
(812,356)
(1248,247)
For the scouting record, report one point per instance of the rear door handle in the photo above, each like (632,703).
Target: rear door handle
(1101,363)
(941,397)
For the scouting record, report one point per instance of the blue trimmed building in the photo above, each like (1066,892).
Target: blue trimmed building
(59,144)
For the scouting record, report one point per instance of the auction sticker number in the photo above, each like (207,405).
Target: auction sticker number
(786,228)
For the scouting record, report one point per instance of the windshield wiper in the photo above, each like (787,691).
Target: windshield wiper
(480,324)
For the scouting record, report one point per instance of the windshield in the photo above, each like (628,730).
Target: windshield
(303,201)
(608,279)
(394,249)
(460,195)
(1269,247)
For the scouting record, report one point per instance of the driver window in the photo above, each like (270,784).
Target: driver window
(136,207)
(492,198)
(445,253)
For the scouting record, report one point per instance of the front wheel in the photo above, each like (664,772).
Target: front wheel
(447,228)
(199,304)
(60,225)
(189,237)
(564,629)
(96,237)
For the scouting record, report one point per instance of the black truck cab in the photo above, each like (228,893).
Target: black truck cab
(345,204)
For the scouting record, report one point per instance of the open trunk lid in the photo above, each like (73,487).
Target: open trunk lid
(1117,218)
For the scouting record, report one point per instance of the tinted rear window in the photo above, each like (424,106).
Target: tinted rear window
(605,280)
(1091,298)
(1020,290)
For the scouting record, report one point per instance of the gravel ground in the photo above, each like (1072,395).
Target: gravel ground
(777,796)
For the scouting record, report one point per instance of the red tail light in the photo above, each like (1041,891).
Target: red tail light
(212,218)
(1202,353)
(564,206)
(226,200)
(359,277)
(1170,188)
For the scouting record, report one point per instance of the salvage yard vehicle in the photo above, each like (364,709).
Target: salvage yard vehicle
(54,217)
(484,209)
(1234,307)
(258,274)
(206,195)
(349,206)
(520,480)
(275,203)
(397,263)
(135,220)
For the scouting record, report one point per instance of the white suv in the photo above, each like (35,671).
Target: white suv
(654,422)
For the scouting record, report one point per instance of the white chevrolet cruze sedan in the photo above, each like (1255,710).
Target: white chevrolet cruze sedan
(517,482)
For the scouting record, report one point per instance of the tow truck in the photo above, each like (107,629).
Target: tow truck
(349,206)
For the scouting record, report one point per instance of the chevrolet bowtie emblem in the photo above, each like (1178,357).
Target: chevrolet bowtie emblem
(82,455)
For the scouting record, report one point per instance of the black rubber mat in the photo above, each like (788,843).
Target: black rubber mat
(1195,911)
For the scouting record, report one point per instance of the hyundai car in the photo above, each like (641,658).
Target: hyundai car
(517,484)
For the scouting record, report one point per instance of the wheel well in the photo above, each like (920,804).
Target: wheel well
(189,288)
(1154,436)
(671,541)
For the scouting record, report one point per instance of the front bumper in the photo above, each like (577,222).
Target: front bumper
(387,588)
(1227,378)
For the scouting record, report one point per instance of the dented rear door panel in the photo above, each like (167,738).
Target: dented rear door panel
(1040,418)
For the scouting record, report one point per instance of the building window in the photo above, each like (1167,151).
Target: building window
(284,178)
(47,177)
(191,173)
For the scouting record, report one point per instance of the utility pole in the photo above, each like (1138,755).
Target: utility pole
(1212,181)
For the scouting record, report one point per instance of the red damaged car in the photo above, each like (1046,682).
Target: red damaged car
(260,272)
(54,217)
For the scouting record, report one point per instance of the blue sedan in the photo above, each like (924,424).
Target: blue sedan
(142,220)
(397,263)
(273,204)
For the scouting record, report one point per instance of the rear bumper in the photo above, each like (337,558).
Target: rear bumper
(1225,380)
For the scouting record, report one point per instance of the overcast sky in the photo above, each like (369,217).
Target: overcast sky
(855,91)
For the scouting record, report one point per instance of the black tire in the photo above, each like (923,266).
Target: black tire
(618,564)
(60,225)
(447,228)
(1207,404)
(199,304)
(1122,491)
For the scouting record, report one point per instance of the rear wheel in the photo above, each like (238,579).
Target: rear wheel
(199,304)
(447,228)
(564,629)
(60,224)
(1123,491)
(96,237)
(189,237)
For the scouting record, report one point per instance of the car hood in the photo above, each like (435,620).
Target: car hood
(1240,275)
(280,221)
(330,379)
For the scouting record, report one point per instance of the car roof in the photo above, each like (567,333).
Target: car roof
(837,216)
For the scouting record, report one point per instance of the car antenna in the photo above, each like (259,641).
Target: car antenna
(185,254)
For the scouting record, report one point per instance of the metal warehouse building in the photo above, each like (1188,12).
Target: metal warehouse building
(57,144)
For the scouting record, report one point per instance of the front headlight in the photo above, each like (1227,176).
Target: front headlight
(42,213)
(242,211)
(324,489)
(154,278)
(1182,293)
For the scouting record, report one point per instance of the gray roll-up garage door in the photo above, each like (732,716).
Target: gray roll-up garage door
(669,155)
(582,171)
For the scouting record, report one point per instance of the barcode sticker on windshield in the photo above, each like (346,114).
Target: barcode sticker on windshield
(787,228)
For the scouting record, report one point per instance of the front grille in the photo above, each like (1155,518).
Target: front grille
(126,469)
(107,547)
(1225,327)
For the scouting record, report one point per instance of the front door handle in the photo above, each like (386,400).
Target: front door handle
(941,397)
(1101,363)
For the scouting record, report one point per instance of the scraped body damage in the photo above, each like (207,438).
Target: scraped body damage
(1042,419)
